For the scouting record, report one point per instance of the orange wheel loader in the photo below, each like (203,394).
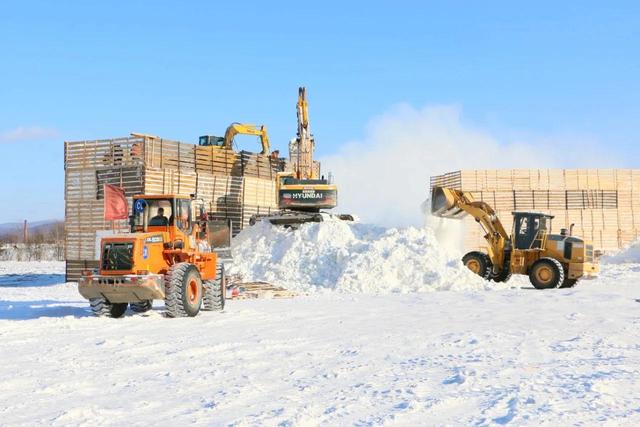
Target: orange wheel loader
(173,253)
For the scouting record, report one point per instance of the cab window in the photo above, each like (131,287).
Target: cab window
(159,212)
(152,212)
(183,214)
(523,227)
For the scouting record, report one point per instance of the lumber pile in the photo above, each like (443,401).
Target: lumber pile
(234,185)
(604,204)
(252,290)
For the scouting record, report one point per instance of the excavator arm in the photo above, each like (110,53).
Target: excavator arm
(451,203)
(304,143)
(247,129)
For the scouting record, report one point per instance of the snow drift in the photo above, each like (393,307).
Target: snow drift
(628,255)
(350,257)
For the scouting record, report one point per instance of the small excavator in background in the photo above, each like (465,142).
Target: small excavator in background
(233,130)
(550,260)
(301,191)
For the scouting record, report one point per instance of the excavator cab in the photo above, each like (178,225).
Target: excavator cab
(530,229)
(211,141)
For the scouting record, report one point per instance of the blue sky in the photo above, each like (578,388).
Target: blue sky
(82,70)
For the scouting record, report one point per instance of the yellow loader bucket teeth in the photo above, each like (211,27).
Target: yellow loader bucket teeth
(444,205)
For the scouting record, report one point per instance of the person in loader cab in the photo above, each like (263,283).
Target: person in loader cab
(159,219)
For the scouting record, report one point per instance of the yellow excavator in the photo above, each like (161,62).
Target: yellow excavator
(550,260)
(302,192)
(233,130)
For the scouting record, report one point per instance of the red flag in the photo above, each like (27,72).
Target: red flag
(115,203)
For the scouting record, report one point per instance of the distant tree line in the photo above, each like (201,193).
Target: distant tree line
(43,243)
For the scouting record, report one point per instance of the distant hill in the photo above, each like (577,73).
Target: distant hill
(35,228)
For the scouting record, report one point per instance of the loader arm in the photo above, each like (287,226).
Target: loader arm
(451,203)
(247,129)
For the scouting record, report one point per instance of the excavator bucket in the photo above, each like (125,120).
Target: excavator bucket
(443,204)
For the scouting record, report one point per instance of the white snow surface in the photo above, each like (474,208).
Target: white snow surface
(511,356)
(350,257)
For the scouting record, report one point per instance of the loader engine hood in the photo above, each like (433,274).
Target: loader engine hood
(572,248)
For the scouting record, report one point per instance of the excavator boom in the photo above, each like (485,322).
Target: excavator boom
(247,129)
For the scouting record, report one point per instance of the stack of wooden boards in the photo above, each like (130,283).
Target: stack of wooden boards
(604,204)
(234,185)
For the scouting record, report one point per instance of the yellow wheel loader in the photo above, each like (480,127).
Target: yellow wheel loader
(550,260)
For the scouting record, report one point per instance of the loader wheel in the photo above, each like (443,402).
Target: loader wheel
(142,306)
(546,273)
(479,263)
(503,276)
(215,291)
(101,307)
(569,283)
(183,291)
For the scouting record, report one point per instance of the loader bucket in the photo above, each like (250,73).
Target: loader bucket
(443,204)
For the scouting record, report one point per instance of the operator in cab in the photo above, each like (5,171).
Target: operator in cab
(159,219)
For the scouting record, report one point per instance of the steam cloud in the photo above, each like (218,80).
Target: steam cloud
(384,178)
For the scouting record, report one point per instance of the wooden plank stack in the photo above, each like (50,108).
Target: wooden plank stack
(604,204)
(233,184)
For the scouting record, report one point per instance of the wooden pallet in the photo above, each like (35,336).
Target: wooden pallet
(252,290)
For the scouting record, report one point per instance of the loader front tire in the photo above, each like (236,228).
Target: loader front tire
(569,283)
(215,291)
(142,306)
(479,263)
(503,276)
(101,307)
(546,273)
(183,290)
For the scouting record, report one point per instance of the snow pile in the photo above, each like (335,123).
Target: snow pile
(350,257)
(628,255)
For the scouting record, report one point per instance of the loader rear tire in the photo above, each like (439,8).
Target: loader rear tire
(142,306)
(546,273)
(215,291)
(183,291)
(479,263)
(101,307)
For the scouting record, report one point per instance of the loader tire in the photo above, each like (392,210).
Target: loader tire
(568,283)
(142,306)
(183,290)
(479,263)
(215,291)
(101,307)
(546,273)
(503,276)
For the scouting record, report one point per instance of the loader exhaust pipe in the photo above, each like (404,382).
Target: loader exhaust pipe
(443,203)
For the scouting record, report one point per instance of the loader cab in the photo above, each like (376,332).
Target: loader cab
(158,213)
(530,229)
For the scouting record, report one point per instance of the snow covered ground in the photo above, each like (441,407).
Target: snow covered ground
(474,357)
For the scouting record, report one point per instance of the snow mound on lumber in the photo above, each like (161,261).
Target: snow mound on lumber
(628,255)
(349,257)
